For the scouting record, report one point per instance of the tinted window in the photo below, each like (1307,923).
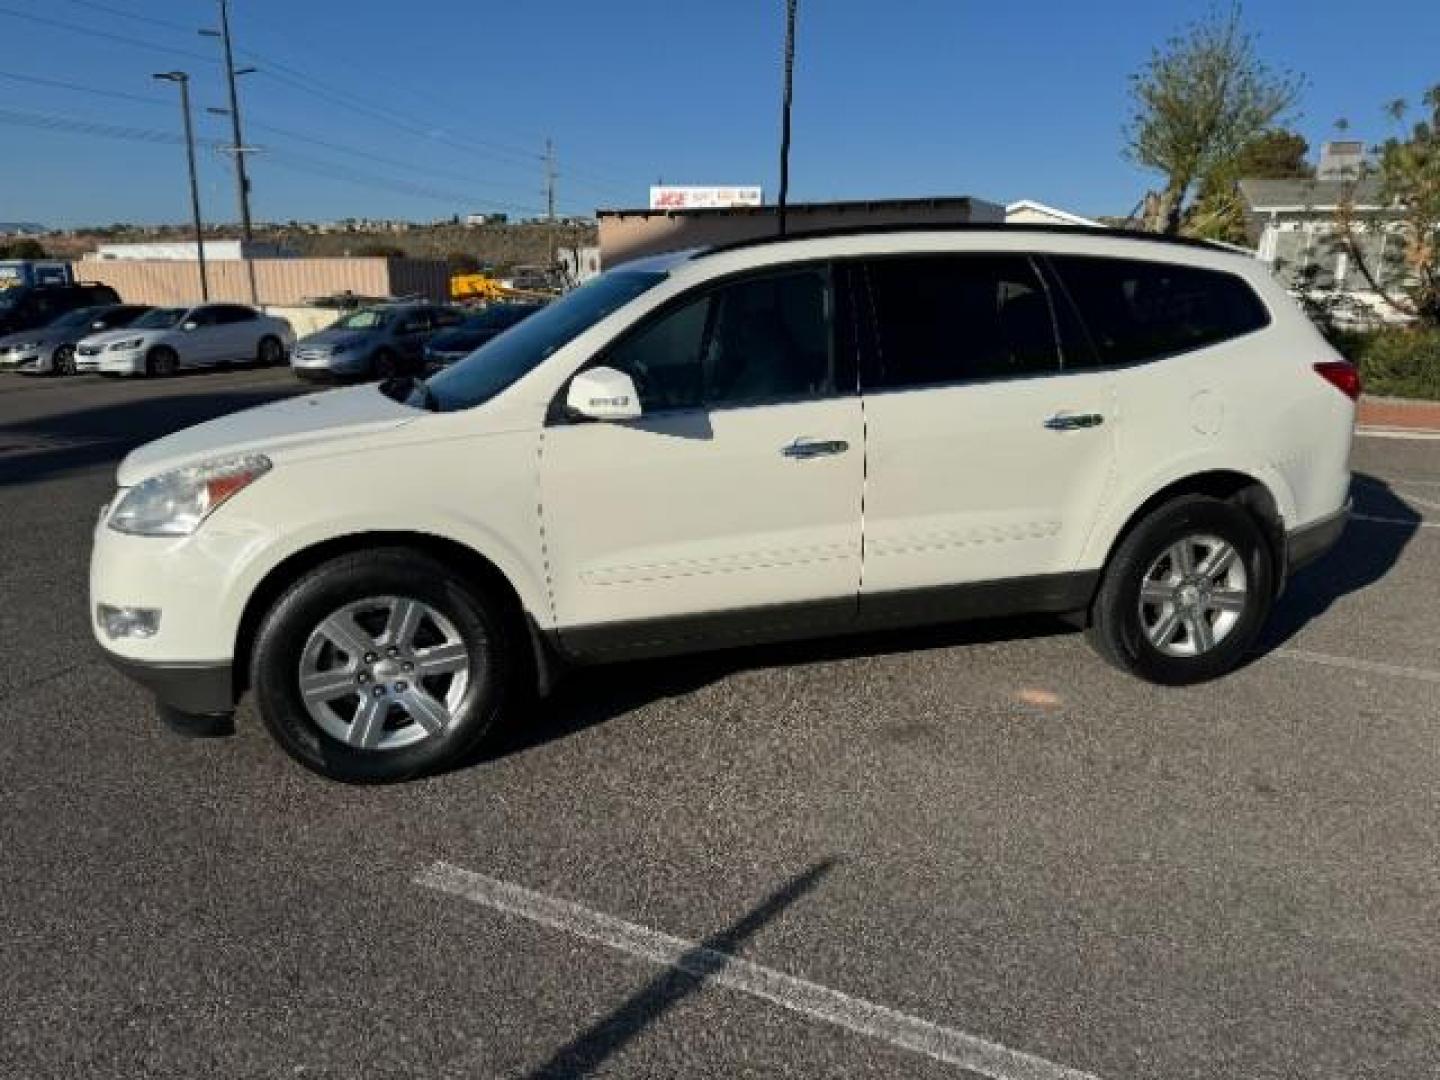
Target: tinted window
(446,317)
(98,294)
(234,314)
(764,339)
(1143,310)
(205,316)
(959,318)
(663,358)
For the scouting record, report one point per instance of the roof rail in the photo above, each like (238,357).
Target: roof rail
(1036,228)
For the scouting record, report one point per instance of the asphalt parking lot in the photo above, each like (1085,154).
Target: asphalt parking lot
(975,851)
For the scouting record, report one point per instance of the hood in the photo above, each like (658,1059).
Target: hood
(334,337)
(44,335)
(461,340)
(268,429)
(109,337)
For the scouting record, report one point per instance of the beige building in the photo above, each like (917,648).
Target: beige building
(629,234)
(278,282)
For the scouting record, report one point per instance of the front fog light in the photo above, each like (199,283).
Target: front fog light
(128,622)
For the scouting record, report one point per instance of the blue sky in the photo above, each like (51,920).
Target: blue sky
(910,97)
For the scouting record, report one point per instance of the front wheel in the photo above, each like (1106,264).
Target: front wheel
(1185,594)
(386,365)
(381,666)
(63,362)
(161,362)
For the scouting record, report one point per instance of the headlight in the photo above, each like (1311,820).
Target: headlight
(128,343)
(175,503)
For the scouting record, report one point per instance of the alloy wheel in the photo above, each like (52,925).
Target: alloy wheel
(1193,595)
(384,673)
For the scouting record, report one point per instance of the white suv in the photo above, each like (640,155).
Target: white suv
(164,340)
(768,440)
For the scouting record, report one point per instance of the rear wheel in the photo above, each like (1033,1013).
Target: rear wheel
(162,361)
(63,362)
(270,352)
(1185,594)
(381,666)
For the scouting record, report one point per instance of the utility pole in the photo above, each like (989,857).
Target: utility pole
(183,79)
(550,175)
(239,149)
(785,111)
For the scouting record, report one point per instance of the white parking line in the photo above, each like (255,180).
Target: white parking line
(1373,667)
(809,999)
(1395,433)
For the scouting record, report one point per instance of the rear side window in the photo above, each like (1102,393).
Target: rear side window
(763,339)
(224,316)
(958,318)
(1137,311)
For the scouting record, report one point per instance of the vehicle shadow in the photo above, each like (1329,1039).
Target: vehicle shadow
(51,445)
(686,974)
(590,696)
(1366,552)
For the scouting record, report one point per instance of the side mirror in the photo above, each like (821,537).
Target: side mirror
(191,325)
(602,393)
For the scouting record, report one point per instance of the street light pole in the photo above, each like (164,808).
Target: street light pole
(183,79)
(785,111)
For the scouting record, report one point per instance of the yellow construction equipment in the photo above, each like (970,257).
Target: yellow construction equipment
(485,288)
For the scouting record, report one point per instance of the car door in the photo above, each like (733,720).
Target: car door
(201,343)
(238,332)
(987,456)
(731,507)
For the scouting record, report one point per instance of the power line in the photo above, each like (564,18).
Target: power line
(137,43)
(286,133)
(307,83)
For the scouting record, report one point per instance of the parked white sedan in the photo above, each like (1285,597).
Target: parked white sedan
(167,339)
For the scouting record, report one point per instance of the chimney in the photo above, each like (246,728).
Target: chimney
(1341,160)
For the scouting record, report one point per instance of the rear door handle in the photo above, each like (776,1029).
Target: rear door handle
(809,448)
(1073,421)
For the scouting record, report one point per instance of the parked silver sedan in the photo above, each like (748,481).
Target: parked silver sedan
(375,342)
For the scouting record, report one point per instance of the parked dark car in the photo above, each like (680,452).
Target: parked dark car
(50,349)
(448,346)
(374,342)
(28,306)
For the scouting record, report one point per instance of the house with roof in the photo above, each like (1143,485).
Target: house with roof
(1292,223)
(1030,212)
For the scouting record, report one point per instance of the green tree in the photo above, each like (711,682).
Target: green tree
(1407,167)
(1197,103)
(1218,212)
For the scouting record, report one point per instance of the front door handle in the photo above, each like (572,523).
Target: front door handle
(809,448)
(1073,421)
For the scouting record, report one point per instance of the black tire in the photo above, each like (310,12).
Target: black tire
(63,361)
(280,642)
(1116,630)
(161,362)
(270,351)
(385,365)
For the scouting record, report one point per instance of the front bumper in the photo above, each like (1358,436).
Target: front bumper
(1309,542)
(329,366)
(202,689)
(128,362)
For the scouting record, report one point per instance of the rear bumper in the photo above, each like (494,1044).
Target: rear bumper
(1309,542)
(206,689)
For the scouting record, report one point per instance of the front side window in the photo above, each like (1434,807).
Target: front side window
(943,319)
(1137,310)
(764,339)
(159,319)
(364,319)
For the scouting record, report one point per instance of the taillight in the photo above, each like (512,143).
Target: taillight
(1345,377)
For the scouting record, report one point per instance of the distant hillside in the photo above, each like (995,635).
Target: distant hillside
(20,228)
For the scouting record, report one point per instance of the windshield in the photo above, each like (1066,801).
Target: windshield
(159,319)
(365,319)
(504,359)
(80,317)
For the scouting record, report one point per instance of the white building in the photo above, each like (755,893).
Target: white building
(184,251)
(1030,212)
